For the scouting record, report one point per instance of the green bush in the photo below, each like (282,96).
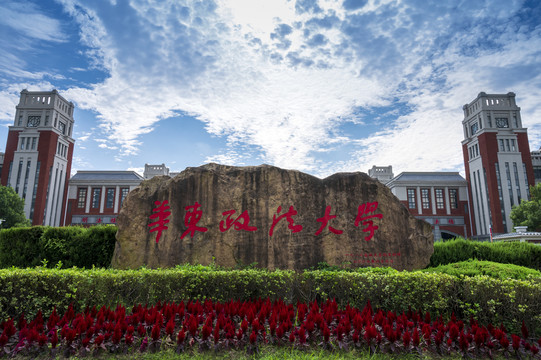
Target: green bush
(489,268)
(517,253)
(64,246)
(506,301)
(21,247)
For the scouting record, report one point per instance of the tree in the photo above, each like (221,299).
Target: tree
(11,209)
(528,213)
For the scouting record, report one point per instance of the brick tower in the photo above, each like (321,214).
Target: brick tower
(39,150)
(497,161)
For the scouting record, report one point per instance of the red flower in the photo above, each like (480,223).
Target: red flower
(99,340)
(253,337)
(181,336)
(205,332)
(117,335)
(524,330)
(516,341)
(463,342)
(416,338)
(302,335)
(217,333)
(156,331)
(292,337)
(280,332)
(504,342)
(3,340)
(406,338)
(129,339)
(453,331)
(326,333)
(170,327)
(355,336)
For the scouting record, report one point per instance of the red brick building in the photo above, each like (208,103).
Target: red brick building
(39,150)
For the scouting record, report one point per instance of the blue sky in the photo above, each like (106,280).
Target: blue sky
(318,86)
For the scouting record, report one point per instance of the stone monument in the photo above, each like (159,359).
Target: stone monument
(276,218)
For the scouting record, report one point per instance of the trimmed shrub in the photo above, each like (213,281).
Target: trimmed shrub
(517,253)
(489,268)
(488,299)
(63,246)
(21,247)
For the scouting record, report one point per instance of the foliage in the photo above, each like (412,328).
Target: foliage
(487,299)
(67,246)
(215,326)
(11,209)
(528,213)
(489,268)
(514,252)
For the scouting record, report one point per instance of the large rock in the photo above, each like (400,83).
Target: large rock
(391,238)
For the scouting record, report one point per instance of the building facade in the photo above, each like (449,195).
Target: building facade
(157,170)
(497,161)
(382,173)
(39,150)
(439,198)
(536,164)
(95,197)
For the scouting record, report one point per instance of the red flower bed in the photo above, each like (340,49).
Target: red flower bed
(246,325)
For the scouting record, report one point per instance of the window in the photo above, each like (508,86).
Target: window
(411,198)
(517,182)
(515,122)
(425,198)
(18,176)
(489,120)
(453,198)
(81,198)
(513,147)
(34,141)
(507,143)
(96,194)
(110,198)
(502,145)
(439,198)
(123,194)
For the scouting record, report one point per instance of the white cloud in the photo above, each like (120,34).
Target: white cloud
(283,93)
(28,20)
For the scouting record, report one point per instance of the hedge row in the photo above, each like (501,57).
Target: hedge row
(487,299)
(489,268)
(71,246)
(517,253)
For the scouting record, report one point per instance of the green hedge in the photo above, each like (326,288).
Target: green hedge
(489,268)
(514,252)
(71,246)
(487,299)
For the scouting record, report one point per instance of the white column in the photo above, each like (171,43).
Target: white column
(102,200)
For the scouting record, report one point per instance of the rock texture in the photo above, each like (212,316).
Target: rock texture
(400,240)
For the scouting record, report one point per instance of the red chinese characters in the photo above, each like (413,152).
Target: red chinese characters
(161,212)
(192,217)
(325,220)
(242,222)
(364,214)
(288,216)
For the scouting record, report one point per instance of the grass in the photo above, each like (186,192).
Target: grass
(265,353)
